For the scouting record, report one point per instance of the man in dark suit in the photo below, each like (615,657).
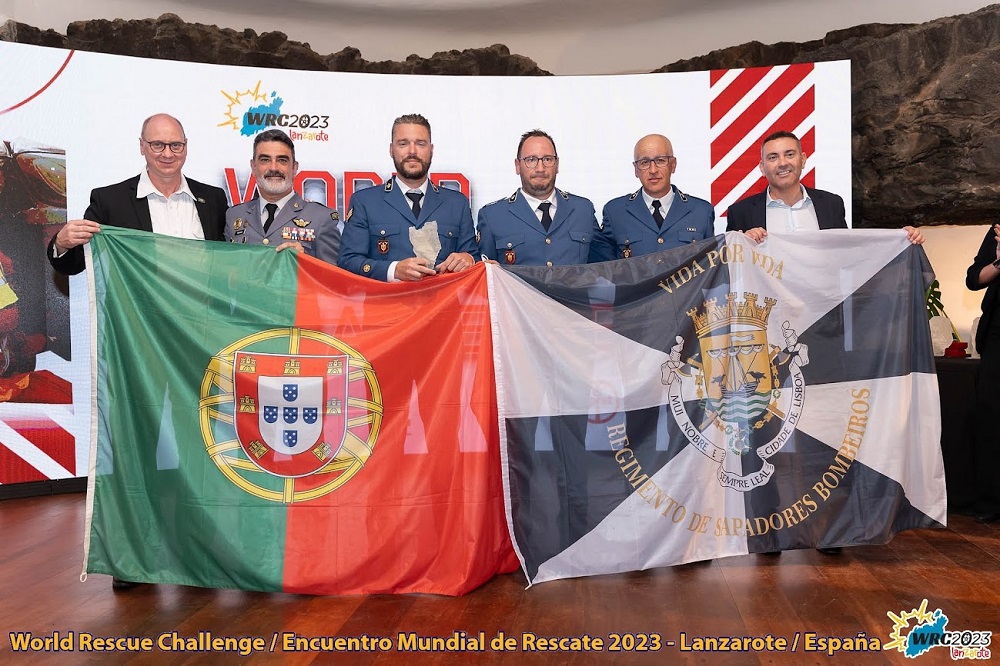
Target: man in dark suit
(540,225)
(160,199)
(658,216)
(381,221)
(787,205)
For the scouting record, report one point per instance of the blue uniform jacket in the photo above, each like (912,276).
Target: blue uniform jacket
(310,223)
(630,228)
(509,232)
(378,222)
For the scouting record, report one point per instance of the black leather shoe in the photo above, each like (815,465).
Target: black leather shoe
(835,550)
(118,584)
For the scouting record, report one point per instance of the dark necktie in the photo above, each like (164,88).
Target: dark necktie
(415,196)
(657,215)
(546,218)
(271,209)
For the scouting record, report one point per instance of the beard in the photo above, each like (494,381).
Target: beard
(538,187)
(271,186)
(412,168)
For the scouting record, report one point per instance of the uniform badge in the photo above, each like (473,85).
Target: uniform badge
(350,211)
(335,216)
(509,256)
(238,224)
(627,251)
(299,222)
(383,245)
(367,268)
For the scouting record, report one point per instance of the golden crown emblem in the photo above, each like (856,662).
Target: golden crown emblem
(723,315)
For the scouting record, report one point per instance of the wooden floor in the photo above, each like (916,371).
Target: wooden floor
(956,569)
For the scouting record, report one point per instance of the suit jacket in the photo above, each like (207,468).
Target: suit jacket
(991,299)
(379,219)
(750,213)
(117,206)
(630,230)
(312,224)
(510,232)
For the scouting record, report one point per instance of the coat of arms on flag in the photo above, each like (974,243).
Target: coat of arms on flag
(738,382)
(290,410)
(305,408)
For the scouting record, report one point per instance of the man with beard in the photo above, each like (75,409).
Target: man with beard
(540,225)
(382,222)
(160,199)
(279,216)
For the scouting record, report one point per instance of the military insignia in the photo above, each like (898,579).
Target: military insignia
(478,237)
(367,268)
(737,383)
(200,200)
(435,187)
(350,211)
(335,216)
(296,234)
(299,222)
(388,184)
(512,198)
(238,224)
(627,251)
(383,245)
(563,194)
(509,255)
(632,196)
(296,205)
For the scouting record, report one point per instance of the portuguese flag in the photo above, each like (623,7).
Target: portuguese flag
(266,421)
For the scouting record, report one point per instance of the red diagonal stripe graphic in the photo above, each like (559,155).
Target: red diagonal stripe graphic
(49,437)
(750,158)
(757,110)
(13,468)
(735,91)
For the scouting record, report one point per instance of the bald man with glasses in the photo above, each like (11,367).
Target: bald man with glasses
(658,216)
(160,199)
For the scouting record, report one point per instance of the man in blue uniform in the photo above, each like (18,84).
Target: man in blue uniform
(279,216)
(380,221)
(540,225)
(658,216)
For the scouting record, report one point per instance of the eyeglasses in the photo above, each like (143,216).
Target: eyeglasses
(531,160)
(661,161)
(159,146)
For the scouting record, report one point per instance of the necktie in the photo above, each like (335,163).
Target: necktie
(271,209)
(415,196)
(657,215)
(546,218)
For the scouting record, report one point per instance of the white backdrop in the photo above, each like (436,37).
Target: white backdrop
(92,105)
